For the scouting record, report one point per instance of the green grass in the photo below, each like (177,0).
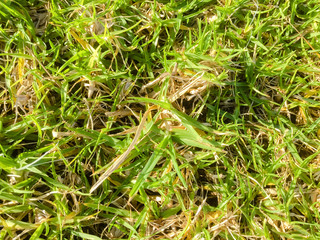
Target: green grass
(159,119)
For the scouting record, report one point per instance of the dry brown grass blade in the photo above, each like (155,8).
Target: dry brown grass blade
(119,160)
(305,39)
(185,88)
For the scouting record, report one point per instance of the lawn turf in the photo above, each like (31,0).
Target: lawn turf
(159,119)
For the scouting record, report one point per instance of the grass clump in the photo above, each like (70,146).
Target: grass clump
(159,119)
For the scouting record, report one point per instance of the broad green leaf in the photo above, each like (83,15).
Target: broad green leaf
(7,163)
(85,235)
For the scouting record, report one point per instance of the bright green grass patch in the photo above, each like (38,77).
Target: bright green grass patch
(217,102)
